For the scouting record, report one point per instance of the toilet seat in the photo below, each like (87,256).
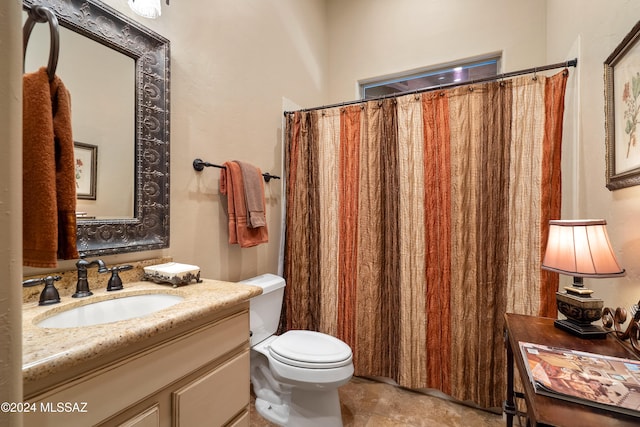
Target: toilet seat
(309,349)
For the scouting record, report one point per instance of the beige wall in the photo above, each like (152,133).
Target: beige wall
(10,207)
(591,30)
(370,38)
(231,65)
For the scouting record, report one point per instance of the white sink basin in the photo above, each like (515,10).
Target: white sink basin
(112,310)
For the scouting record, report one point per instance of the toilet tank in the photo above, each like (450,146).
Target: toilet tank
(264,315)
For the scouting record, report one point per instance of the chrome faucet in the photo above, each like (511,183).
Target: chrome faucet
(82,286)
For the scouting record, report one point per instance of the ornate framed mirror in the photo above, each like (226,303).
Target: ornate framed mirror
(147,226)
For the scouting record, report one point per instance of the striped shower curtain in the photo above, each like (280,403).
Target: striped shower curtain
(414,223)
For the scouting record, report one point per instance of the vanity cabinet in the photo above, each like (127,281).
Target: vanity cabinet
(195,375)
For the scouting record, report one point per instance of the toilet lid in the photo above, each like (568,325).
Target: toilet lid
(308,349)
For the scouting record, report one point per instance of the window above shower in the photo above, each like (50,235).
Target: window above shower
(431,77)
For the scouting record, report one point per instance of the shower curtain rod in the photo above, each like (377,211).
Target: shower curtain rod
(566,64)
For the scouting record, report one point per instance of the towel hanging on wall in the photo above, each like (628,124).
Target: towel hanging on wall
(253,194)
(232,184)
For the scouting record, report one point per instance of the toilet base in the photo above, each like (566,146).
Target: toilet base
(315,409)
(293,404)
(305,409)
(277,414)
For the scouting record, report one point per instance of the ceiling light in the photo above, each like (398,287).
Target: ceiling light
(146,8)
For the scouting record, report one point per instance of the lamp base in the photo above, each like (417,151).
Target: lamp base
(586,331)
(580,311)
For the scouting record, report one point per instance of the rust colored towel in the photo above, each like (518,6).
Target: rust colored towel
(231,184)
(48,179)
(253,194)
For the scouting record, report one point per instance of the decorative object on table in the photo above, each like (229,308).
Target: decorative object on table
(614,321)
(173,273)
(580,248)
(597,380)
(622,112)
(86,159)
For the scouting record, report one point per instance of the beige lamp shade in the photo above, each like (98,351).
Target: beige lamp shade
(580,248)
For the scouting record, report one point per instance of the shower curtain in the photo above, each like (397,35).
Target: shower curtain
(414,223)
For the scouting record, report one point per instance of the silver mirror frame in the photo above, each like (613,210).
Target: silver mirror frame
(149,227)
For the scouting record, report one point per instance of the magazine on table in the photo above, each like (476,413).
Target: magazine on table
(606,382)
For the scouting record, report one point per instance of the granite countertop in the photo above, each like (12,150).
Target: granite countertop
(46,351)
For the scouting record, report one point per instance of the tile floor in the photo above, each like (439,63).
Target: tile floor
(367,403)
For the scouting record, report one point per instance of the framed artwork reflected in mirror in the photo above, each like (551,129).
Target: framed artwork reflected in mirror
(86,160)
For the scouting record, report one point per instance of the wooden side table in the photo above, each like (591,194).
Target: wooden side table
(548,411)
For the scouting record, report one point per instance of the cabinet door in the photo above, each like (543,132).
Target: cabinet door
(242,421)
(148,418)
(216,397)
(115,388)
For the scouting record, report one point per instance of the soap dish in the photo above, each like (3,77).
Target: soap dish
(172,272)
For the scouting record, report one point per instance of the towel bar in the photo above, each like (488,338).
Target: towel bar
(199,165)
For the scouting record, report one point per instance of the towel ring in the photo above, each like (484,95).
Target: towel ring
(42,14)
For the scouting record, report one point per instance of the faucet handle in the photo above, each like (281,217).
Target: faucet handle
(115,282)
(49,294)
(82,286)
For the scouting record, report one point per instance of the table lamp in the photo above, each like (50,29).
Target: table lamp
(580,248)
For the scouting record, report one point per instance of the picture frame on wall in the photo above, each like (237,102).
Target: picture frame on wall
(86,170)
(622,112)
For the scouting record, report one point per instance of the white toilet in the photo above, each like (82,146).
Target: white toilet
(296,375)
